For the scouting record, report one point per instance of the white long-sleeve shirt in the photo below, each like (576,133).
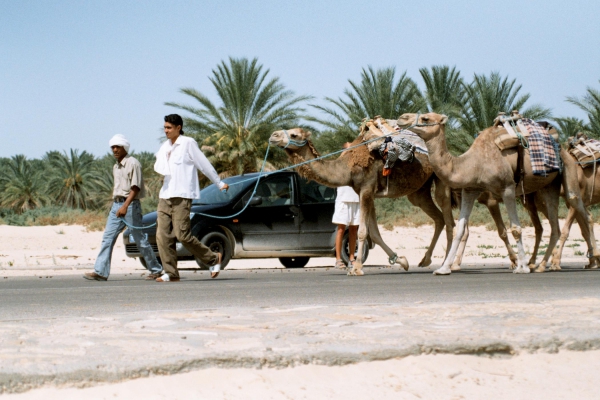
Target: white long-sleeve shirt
(179,163)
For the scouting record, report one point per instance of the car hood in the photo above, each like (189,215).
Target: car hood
(216,209)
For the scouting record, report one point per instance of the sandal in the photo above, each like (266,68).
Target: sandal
(340,264)
(152,277)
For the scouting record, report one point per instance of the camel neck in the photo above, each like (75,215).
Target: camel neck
(444,164)
(332,173)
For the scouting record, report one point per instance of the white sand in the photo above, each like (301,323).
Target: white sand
(566,375)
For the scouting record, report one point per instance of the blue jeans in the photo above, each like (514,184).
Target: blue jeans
(114,227)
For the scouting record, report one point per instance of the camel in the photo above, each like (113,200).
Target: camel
(380,126)
(588,180)
(486,168)
(357,168)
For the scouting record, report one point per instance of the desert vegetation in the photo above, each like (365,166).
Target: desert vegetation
(75,187)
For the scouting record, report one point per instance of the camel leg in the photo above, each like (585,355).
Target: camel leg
(461,250)
(532,210)
(443,197)
(422,199)
(515,226)
(564,235)
(586,225)
(467,201)
(550,197)
(367,212)
(494,210)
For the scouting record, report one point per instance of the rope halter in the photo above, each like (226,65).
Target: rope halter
(291,141)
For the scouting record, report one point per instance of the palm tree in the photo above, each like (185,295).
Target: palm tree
(445,94)
(377,93)
(101,189)
(72,178)
(486,96)
(235,133)
(590,103)
(444,90)
(21,185)
(569,127)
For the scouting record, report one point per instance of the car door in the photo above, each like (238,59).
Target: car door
(317,204)
(273,224)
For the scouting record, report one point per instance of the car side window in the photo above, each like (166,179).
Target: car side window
(275,192)
(312,192)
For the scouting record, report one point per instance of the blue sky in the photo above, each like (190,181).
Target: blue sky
(73,73)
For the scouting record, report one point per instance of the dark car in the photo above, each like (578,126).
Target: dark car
(287,218)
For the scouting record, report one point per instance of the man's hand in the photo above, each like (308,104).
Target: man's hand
(121,212)
(225,187)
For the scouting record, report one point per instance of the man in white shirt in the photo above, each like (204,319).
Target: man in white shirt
(179,159)
(346,213)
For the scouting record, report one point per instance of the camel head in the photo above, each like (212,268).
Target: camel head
(291,139)
(425,125)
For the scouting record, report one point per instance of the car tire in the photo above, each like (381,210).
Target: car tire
(294,262)
(143,261)
(345,255)
(218,243)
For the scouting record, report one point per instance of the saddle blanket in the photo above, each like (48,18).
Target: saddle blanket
(413,138)
(543,149)
(586,151)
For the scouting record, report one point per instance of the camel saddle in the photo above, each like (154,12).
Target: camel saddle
(584,149)
(515,131)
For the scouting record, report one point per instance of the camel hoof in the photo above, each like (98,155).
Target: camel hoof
(512,266)
(455,268)
(442,271)
(521,270)
(590,266)
(355,272)
(403,262)
(555,268)
(425,263)
(541,268)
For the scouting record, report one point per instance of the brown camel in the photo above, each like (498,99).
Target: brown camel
(380,126)
(589,186)
(358,168)
(485,168)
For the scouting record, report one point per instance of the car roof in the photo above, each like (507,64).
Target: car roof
(254,175)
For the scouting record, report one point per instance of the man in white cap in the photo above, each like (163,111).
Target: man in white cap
(128,189)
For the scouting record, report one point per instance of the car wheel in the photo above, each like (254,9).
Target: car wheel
(345,252)
(218,243)
(294,262)
(143,261)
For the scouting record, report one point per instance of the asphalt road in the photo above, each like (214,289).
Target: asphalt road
(72,296)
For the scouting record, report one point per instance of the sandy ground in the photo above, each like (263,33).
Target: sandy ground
(44,250)
(566,375)
(53,250)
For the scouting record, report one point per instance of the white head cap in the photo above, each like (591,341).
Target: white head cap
(119,140)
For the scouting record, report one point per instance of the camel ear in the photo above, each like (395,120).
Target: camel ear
(444,119)
(306,134)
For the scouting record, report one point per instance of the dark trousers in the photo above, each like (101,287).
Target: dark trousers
(174,225)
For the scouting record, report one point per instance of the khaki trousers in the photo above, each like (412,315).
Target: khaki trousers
(174,224)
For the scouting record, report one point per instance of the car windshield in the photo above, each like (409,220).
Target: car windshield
(237,184)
